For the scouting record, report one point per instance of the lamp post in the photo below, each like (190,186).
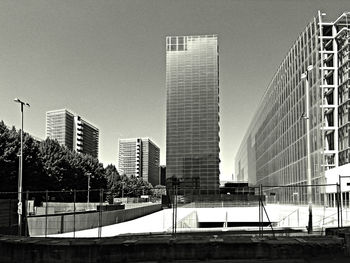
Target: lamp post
(305,76)
(20,175)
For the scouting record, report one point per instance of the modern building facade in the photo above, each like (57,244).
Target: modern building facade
(139,157)
(72,131)
(192,131)
(274,149)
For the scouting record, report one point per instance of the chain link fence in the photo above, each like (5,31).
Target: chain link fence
(65,213)
(263,210)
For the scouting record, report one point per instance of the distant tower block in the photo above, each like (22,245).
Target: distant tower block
(139,157)
(72,131)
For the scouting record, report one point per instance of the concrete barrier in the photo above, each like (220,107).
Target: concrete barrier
(164,248)
(65,207)
(69,222)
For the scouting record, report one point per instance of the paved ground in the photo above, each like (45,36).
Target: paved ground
(161,222)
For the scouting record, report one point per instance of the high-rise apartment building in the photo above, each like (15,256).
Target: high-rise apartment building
(274,149)
(192,132)
(72,131)
(139,157)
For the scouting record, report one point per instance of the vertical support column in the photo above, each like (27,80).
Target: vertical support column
(335,98)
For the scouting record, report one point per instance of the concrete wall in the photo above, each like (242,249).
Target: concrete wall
(166,249)
(135,205)
(56,224)
(60,207)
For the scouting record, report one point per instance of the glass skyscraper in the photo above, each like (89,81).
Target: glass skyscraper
(192,133)
(274,149)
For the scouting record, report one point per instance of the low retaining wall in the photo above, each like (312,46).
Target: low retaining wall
(166,249)
(63,207)
(69,222)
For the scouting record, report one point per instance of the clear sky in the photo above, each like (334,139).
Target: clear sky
(105,60)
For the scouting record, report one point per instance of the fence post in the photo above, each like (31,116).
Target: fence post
(176,193)
(46,209)
(74,201)
(338,211)
(341,202)
(26,213)
(100,215)
(261,212)
(298,217)
(173,219)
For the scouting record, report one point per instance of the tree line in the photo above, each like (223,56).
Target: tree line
(47,165)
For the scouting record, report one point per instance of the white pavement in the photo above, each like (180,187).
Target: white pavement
(161,222)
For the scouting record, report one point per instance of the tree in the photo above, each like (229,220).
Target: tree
(159,190)
(47,165)
(9,160)
(57,168)
(34,177)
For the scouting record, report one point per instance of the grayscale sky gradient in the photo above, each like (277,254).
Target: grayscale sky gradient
(105,60)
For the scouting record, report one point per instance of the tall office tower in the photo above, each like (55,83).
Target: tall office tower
(274,149)
(162,175)
(192,132)
(139,157)
(72,131)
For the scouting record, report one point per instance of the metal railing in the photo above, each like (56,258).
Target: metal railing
(280,209)
(267,210)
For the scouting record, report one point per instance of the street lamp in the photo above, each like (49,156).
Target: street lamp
(305,76)
(20,175)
